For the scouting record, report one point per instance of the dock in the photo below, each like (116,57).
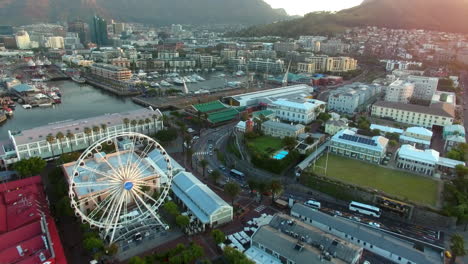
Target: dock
(118,89)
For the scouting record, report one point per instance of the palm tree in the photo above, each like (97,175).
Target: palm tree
(203,164)
(457,246)
(141,122)
(60,136)
(96,130)
(51,140)
(87,132)
(70,137)
(232,189)
(155,117)
(134,123)
(104,128)
(215,175)
(147,122)
(126,122)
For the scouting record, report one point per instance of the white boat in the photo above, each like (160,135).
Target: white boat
(45,105)
(165,84)
(198,77)
(222,75)
(178,81)
(27,106)
(154,84)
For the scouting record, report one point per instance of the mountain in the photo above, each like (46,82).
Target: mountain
(19,12)
(440,15)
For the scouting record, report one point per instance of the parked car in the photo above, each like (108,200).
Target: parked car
(374,224)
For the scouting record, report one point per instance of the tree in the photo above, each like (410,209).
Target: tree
(232,189)
(155,117)
(457,246)
(393,143)
(289,142)
(324,117)
(70,137)
(234,256)
(171,208)
(93,243)
(309,140)
(461,170)
(60,136)
(126,122)
(147,122)
(252,184)
(166,135)
(215,175)
(203,164)
(112,249)
(141,123)
(51,140)
(276,188)
(182,221)
(29,167)
(136,260)
(218,236)
(96,130)
(134,123)
(104,128)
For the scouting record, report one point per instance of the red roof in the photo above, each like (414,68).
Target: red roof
(27,231)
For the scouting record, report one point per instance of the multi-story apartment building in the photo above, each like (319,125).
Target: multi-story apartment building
(281,130)
(297,111)
(22,40)
(399,91)
(121,62)
(56,42)
(237,64)
(45,142)
(324,63)
(333,47)
(437,114)
(182,63)
(453,135)
(111,72)
(227,54)
(266,66)
(285,46)
(350,144)
(307,67)
(425,162)
(167,55)
(424,87)
(206,61)
(353,97)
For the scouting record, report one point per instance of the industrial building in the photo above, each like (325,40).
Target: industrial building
(352,98)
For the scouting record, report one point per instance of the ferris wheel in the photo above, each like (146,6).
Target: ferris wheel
(119,181)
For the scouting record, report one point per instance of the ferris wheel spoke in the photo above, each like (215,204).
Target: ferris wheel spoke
(146,195)
(143,155)
(90,184)
(90,197)
(106,210)
(118,176)
(109,176)
(151,210)
(132,150)
(104,203)
(137,202)
(115,218)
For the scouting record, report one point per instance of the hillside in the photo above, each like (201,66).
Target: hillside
(441,15)
(18,12)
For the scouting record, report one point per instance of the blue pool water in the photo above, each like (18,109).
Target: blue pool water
(280,155)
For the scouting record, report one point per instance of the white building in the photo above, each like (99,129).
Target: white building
(269,96)
(352,98)
(419,136)
(425,162)
(281,130)
(22,40)
(297,111)
(55,43)
(334,126)
(424,87)
(399,91)
(438,114)
(206,61)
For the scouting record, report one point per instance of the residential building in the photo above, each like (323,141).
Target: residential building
(341,64)
(286,240)
(352,97)
(33,142)
(28,233)
(22,40)
(281,130)
(333,47)
(118,28)
(425,162)
(99,31)
(453,135)
(227,54)
(437,114)
(382,244)
(181,63)
(168,55)
(285,46)
(399,91)
(334,126)
(209,209)
(424,87)
(266,66)
(298,111)
(306,67)
(419,136)
(237,64)
(121,62)
(386,129)
(400,65)
(350,144)
(111,72)
(55,43)
(206,61)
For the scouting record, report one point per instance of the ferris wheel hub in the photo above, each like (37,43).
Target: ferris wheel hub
(128,185)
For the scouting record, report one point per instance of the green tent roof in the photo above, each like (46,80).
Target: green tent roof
(209,107)
(221,116)
(265,113)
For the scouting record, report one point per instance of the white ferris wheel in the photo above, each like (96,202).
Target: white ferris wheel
(120,181)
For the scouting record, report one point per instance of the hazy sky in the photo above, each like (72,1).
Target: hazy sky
(301,7)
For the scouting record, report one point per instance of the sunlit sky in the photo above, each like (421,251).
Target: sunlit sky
(301,7)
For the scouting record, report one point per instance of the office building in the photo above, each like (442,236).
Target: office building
(424,87)
(426,162)
(286,240)
(281,130)
(22,40)
(333,47)
(227,54)
(118,28)
(206,62)
(299,111)
(399,91)
(99,31)
(350,144)
(111,72)
(33,142)
(370,239)
(352,97)
(266,66)
(55,42)
(285,46)
(437,114)
(81,28)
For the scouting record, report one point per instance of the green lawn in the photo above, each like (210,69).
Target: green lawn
(401,184)
(265,144)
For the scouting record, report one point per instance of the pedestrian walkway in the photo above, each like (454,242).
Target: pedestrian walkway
(260,208)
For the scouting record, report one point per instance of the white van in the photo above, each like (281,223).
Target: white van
(313,204)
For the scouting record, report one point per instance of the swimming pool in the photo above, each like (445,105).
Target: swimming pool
(280,155)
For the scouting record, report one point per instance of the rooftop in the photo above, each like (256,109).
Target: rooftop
(283,126)
(386,129)
(350,137)
(438,109)
(209,107)
(419,131)
(268,96)
(454,128)
(410,152)
(307,105)
(223,115)
(109,67)
(200,199)
(78,126)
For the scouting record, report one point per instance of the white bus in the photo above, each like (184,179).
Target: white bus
(364,209)
(237,174)
(313,204)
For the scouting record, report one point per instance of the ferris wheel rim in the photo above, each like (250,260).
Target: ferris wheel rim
(148,209)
